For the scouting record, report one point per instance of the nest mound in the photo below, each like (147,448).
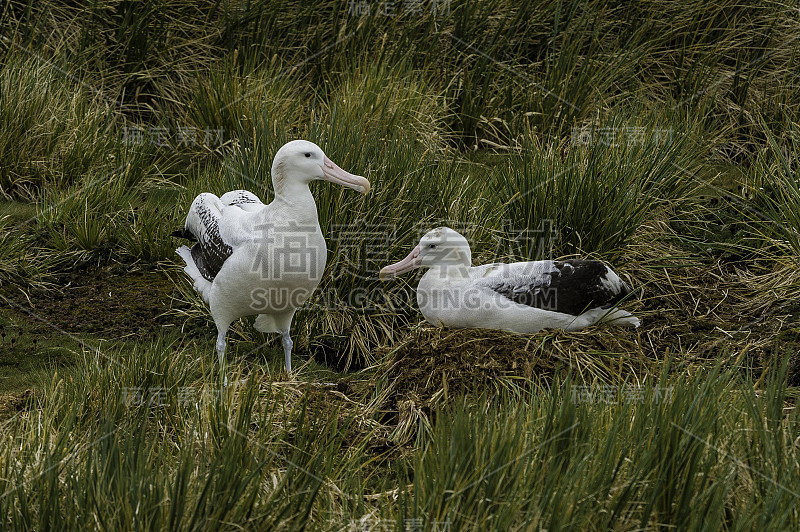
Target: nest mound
(431,360)
(433,365)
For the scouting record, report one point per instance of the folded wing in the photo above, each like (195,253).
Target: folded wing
(203,227)
(570,287)
(202,223)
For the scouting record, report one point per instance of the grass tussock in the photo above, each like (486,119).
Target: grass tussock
(55,128)
(130,429)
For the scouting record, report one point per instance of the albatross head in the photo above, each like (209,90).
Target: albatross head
(441,247)
(303,161)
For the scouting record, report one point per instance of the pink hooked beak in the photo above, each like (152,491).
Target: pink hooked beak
(333,173)
(412,261)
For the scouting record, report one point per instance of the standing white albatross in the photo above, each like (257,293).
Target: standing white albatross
(522,297)
(250,258)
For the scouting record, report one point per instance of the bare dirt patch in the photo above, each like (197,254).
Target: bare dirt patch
(107,303)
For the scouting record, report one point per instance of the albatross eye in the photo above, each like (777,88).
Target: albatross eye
(432,246)
(307,154)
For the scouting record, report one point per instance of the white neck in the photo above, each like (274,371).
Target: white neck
(451,272)
(294,197)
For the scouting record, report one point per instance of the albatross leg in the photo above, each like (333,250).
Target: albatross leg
(221,355)
(287,349)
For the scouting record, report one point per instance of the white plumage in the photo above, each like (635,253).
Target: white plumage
(523,297)
(251,258)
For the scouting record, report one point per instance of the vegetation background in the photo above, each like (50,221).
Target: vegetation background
(661,136)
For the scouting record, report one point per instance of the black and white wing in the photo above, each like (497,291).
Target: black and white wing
(202,225)
(570,287)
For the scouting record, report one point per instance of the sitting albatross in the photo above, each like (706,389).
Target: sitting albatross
(250,258)
(522,297)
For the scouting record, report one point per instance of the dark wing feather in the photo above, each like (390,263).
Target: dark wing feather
(210,251)
(202,226)
(184,233)
(572,287)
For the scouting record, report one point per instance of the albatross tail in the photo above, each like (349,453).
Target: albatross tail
(201,284)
